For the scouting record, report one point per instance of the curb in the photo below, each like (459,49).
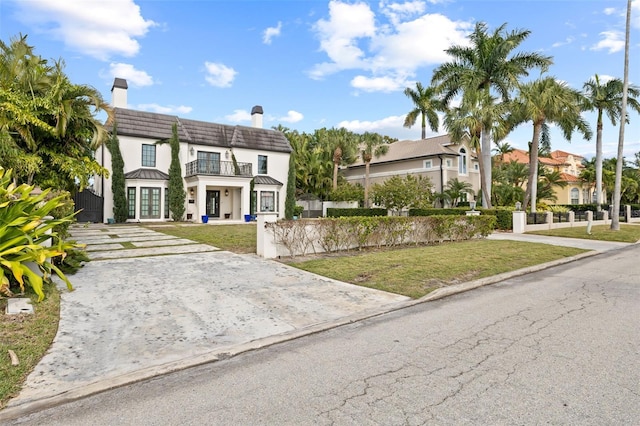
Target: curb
(27,408)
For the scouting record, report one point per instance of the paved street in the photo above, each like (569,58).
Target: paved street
(560,346)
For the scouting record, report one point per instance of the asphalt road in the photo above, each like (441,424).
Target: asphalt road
(560,346)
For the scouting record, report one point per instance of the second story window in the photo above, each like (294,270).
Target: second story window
(462,162)
(262,164)
(148,155)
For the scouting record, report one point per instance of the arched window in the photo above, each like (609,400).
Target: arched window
(575,195)
(462,162)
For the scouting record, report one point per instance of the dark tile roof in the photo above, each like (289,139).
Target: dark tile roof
(410,149)
(158,126)
(152,174)
(265,180)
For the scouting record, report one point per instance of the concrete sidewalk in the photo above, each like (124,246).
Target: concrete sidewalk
(599,246)
(141,312)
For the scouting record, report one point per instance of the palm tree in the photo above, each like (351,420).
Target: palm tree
(606,98)
(545,101)
(473,117)
(373,145)
(501,149)
(615,220)
(342,144)
(546,184)
(456,189)
(427,104)
(487,64)
(46,121)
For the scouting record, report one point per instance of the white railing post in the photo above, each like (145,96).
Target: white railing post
(519,221)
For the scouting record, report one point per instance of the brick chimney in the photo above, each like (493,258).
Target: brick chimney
(256,116)
(119,93)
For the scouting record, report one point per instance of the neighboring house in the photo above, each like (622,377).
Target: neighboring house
(436,158)
(218,164)
(569,166)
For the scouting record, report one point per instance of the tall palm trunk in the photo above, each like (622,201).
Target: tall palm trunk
(486,195)
(486,173)
(337,158)
(615,220)
(599,160)
(532,185)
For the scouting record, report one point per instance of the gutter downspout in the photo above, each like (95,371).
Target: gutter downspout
(441,174)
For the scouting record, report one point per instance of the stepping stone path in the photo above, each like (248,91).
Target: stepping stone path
(127,241)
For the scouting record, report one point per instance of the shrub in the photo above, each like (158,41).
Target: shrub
(335,212)
(459,211)
(24,233)
(504,217)
(344,233)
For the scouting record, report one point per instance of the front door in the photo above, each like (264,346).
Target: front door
(213,203)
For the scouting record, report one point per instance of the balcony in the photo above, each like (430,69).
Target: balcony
(218,168)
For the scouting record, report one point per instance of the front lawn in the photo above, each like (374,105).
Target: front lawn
(234,238)
(417,271)
(627,233)
(29,336)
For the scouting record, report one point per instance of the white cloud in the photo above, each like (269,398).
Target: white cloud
(609,11)
(170,109)
(357,126)
(134,77)
(97,28)
(400,11)
(354,38)
(566,41)
(635,13)
(271,32)
(291,117)
(219,75)
(238,116)
(613,41)
(379,84)
(339,36)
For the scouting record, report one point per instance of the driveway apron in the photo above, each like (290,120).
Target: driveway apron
(148,299)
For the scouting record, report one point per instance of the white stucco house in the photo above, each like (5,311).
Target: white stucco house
(219,162)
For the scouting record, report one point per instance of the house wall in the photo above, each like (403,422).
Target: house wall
(236,204)
(131,150)
(379,172)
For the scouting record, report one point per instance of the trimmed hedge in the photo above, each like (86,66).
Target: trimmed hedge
(458,211)
(504,216)
(362,212)
(301,237)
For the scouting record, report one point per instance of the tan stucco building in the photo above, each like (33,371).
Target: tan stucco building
(437,158)
(569,166)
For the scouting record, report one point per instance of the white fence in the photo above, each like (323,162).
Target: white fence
(520,221)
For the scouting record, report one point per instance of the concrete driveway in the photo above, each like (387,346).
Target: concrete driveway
(156,303)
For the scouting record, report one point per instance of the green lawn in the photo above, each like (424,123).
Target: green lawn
(235,238)
(416,271)
(29,336)
(627,233)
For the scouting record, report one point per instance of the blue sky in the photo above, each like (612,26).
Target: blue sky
(313,64)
